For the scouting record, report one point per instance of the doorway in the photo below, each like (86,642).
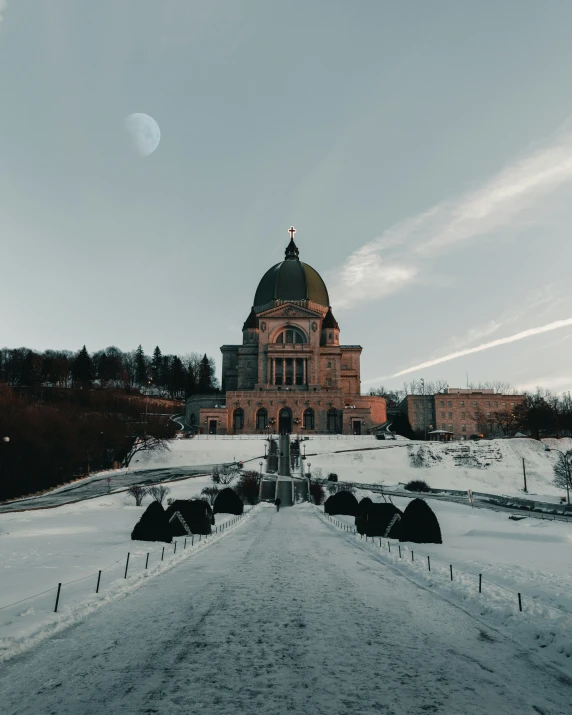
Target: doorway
(356,424)
(212,426)
(285,421)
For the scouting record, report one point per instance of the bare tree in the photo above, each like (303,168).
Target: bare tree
(563,472)
(317,474)
(145,443)
(159,492)
(225,473)
(210,493)
(138,493)
(335,487)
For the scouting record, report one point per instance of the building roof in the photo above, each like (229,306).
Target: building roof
(291,280)
(251,321)
(329,321)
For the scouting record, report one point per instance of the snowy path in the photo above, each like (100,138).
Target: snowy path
(282,616)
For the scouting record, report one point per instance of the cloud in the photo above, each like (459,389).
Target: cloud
(409,245)
(548,383)
(3,6)
(555,325)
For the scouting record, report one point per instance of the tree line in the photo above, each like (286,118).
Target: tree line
(171,376)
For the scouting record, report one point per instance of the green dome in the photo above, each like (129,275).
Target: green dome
(291,280)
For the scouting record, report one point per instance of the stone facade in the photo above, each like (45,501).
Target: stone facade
(290,374)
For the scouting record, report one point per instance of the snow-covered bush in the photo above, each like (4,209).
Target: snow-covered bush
(228,502)
(419,524)
(317,493)
(342,502)
(196,512)
(375,520)
(153,525)
(417,485)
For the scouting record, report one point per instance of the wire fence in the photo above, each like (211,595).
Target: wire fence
(67,594)
(475,581)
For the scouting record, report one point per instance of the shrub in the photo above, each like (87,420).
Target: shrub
(317,493)
(419,524)
(228,502)
(248,487)
(332,477)
(210,494)
(153,525)
(196,512)
(417,485)
(159,492)
(334,487)
(138,493)
(341,503)
(377,518)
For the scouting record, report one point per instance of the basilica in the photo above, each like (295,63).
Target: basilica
(290,375)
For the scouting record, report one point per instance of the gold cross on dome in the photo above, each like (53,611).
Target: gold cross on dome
(291,231)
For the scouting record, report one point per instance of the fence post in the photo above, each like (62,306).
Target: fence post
(193,540)
(399,550)
(451,569)
(58,597)
(175,548)
(163,553)
(147,560)
(389,546)
(380,542)
(428,563)
(412,555)
(185,544)
(126,565)
(98,580)
(480,583)
(519,603)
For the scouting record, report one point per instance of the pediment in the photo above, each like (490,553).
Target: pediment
(289,311)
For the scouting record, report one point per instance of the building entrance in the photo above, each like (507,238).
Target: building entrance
(212,426)
(285,421)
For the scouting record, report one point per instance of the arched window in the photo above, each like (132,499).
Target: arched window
(238,419)
(262,419)
(309,418)
(332,420)
(291,335)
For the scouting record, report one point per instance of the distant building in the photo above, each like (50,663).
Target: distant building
(463,412)
(290,374)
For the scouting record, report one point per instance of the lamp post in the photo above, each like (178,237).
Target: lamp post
(5,441)
(260,463)
(566,467)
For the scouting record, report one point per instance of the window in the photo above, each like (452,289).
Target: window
(261,419)
(329,364)
(330,336)
(476,415)
(462,415)
(279,371)
(488,415)
(474,403)
(309,419)
(488,403)
(450,428)
(462,403)
(291,335)
(450,415)
(463,428)
(442,403)
(449,403)
(503,405)
(329,382)
(443,426)
(345,367)
(512,405)
(238,419)
(495,404)
(442,415)
(332,421)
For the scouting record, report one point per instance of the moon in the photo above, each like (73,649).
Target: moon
(144,133)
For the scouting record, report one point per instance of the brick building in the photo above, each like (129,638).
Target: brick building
(463,412)
(291,374)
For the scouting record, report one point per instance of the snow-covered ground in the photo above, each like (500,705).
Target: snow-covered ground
(493,466)
(285,615)
(69,545)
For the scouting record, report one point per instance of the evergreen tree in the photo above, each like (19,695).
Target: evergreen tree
(190,381)
(156,366)
(206,376)
(82,368)
(140,367)
(177,377)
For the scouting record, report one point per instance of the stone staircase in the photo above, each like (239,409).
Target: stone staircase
(284,492)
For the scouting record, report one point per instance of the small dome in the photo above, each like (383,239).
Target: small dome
(291,280)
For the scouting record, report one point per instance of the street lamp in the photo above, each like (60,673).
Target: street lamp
(260,469)
(566,466)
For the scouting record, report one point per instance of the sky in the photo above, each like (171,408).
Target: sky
(423,151)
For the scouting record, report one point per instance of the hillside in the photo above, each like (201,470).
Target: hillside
(493,466)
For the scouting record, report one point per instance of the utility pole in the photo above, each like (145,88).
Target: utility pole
(524,475)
